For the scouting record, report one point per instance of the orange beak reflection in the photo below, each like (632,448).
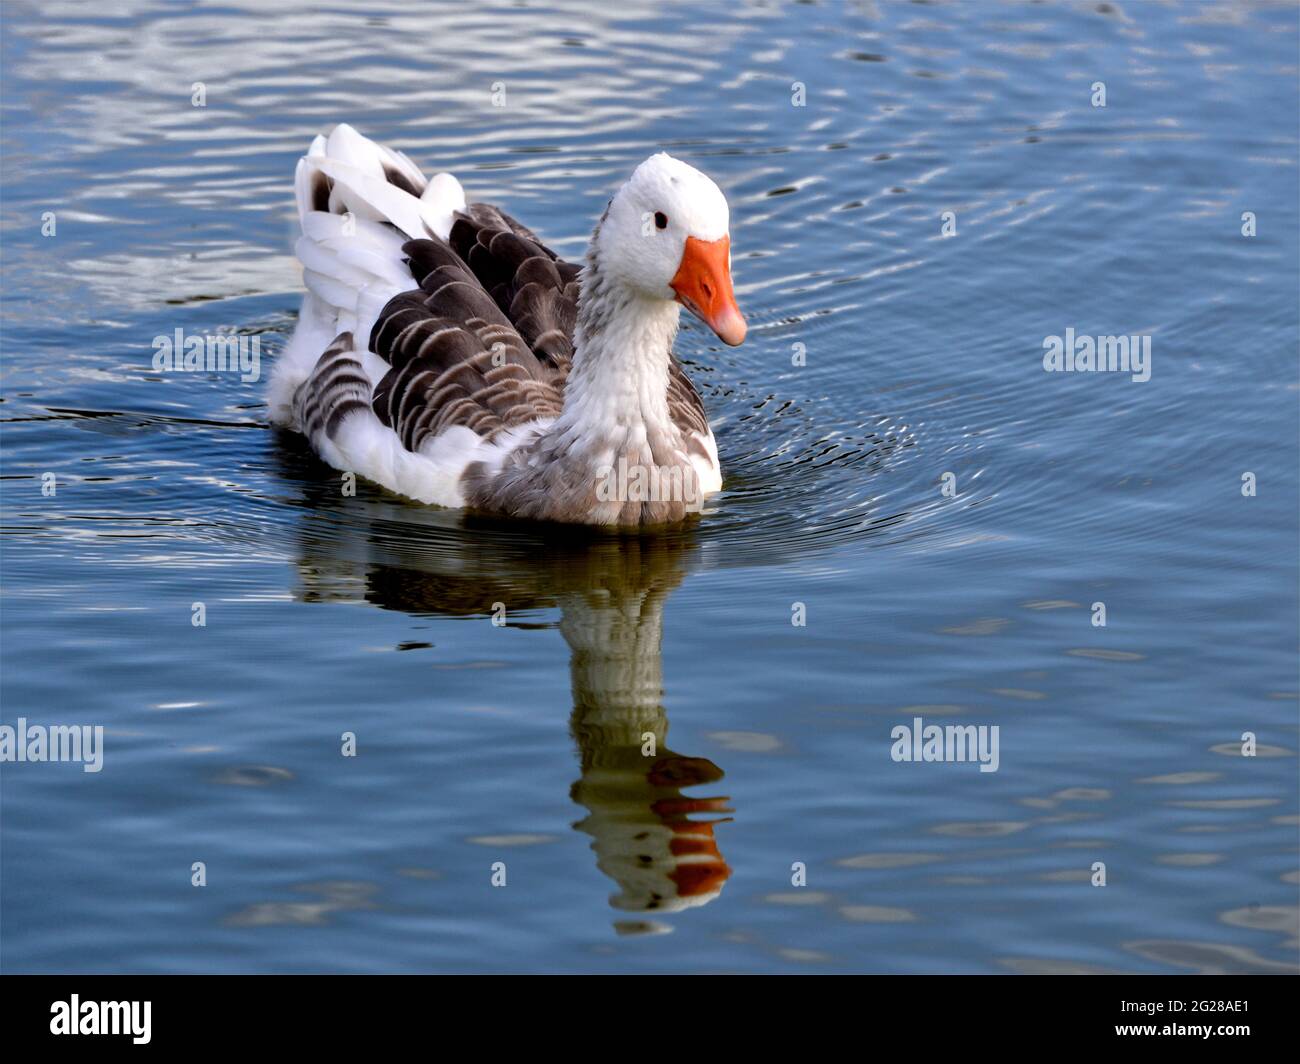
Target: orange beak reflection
(703,286)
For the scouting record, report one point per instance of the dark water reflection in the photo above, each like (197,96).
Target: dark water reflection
(655,841)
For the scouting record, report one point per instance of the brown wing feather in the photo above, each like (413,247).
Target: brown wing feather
(493,287)
(455,357)
(534,288)
(337,387)
(684,403)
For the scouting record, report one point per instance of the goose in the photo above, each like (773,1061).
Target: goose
(445,353)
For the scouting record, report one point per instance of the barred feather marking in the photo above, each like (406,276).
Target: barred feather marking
(336,388)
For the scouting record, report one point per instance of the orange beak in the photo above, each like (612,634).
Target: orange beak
(703,286)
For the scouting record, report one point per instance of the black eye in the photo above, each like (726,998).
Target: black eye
(661,220)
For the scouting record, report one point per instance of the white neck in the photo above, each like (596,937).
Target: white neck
(617,390)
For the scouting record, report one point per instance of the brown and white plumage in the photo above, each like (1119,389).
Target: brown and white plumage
(447,354)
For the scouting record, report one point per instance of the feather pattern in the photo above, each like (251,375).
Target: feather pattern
(445,352)
(455,358)
(537,291)
(339,387)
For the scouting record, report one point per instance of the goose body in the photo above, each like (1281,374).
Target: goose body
(445,353)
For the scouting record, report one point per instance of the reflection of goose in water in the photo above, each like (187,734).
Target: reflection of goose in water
(631,782)
(654,841)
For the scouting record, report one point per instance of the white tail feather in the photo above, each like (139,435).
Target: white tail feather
(351,254)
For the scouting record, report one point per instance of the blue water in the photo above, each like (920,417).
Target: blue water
(518,744)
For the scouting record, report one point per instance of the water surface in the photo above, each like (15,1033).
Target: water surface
(500,680)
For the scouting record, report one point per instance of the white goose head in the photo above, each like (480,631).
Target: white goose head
(665,237)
